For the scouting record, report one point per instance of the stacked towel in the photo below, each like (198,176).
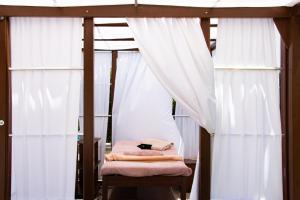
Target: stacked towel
(143,153)
(122,157)
(159,145)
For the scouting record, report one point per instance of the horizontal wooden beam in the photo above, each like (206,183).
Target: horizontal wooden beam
(131,49)
(112,39)
(125,49)
(115,39)
(112,25)
(296,10)
(144,11)
(126,25)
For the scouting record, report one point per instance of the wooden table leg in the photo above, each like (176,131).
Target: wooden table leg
(104,189)
(183,189)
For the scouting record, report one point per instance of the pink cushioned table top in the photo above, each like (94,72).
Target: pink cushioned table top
(141,169)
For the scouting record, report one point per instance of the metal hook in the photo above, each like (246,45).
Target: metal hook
(135,3)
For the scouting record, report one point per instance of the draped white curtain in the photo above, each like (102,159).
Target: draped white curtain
(176,53)
(247,144)
(252,43)
(195,186)
(142,108)
(102,70)
(45,106)
(189,131)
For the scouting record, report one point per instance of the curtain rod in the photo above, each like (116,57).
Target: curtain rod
(43,68)
(129,49)
(125,39)
(124,24)
(126,49)
(247,135)
(112,39)
(247,68)
(111,116)
(65,68)
(41,135)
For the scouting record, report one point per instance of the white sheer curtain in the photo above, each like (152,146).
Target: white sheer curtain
(247,144)
(102,70)
(176,53)
(189,131)
(195,186)
(45,106)
(142,108)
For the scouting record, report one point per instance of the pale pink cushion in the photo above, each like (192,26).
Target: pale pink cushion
(141,169)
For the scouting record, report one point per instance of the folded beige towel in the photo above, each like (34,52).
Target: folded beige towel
(122,157)
(160,145)
(143,153)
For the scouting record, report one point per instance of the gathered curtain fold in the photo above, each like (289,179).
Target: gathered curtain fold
(176,52)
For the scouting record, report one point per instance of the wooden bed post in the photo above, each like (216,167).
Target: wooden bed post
(5,116)
(204,143)
(114,56)
(88,113)
(183,188)
(282,25)
(293,111)
(113,75)
(284,118)
(104,188)
(289,29)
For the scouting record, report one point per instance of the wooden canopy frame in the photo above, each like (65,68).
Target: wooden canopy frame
(143,11)
(287,20)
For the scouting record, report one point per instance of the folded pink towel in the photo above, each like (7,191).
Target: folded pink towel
(122,157)
(157,144)
(143,168)
(143,153)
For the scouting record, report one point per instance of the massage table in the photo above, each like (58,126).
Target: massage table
(146,174)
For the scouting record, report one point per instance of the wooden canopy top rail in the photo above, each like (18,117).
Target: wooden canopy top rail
(126,25)
(149,11)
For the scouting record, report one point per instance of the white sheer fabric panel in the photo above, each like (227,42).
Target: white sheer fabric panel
(252,43)
(42,42)
(195,187)
(45,107)
(176,52)
(189,131)
(102,70)
(247,161)
(142,108)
